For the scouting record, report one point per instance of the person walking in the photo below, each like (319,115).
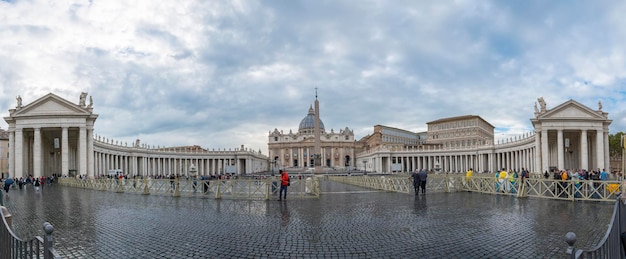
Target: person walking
(416,182)
(423,175)
(502,176)
(7,185)
(468,178)
(284,183)
(37,184)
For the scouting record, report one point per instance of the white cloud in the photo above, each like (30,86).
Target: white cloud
(222,74)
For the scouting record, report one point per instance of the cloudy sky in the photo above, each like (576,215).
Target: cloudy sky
(221,74)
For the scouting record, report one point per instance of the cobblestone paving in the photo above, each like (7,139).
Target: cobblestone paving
(346,222)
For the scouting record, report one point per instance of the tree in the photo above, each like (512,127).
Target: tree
(615,145)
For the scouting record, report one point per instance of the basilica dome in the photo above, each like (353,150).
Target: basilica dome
(307,125)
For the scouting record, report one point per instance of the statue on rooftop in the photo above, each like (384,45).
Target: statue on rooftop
(83,97)
(542,104)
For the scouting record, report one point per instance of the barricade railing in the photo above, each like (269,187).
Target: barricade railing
(612,244)
(12,246)
(401,183)
(241,188)
(592,190)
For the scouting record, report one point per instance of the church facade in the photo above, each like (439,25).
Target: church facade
(296,150)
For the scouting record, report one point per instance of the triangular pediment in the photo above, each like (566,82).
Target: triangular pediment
(573,110)
(50,104)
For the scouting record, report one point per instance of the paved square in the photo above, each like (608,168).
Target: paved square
(346,222)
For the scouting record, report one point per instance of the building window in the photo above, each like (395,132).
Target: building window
(275,138)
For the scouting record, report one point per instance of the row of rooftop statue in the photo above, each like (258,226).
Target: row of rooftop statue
(81,101)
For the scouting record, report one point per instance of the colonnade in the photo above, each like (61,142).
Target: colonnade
(53,136)
(35,150)
(144,161)
(569,148)
(163,165)
(480,159)
(569,136)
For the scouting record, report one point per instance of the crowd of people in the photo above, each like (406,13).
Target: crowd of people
(581,175)
(21,183)
(505,180)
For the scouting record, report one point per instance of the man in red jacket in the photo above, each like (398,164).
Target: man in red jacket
(284,182)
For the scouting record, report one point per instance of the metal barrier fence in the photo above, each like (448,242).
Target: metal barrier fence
(531,187)
(574,190)
(263,189)
(13,247)
(611,245)
(402,183)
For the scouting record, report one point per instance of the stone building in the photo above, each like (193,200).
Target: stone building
(53,136)
(568,136)
(571,136)
(461,131)
(393,138)
(296,150)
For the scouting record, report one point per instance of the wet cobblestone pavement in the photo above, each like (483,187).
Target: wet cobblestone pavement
(346,222)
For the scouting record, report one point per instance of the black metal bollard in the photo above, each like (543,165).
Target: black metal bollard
(48,241)
(570,238)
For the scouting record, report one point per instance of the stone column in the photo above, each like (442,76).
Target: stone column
(90,156)
(498,160)
(19,155)
(584,153)
(607,162)
(537,153)
(600,149)
(12,151)
(65,157)
(37,159)
(505,160)
(145,164)
(82,150)
(545,164)
(445,162)
(559,148)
